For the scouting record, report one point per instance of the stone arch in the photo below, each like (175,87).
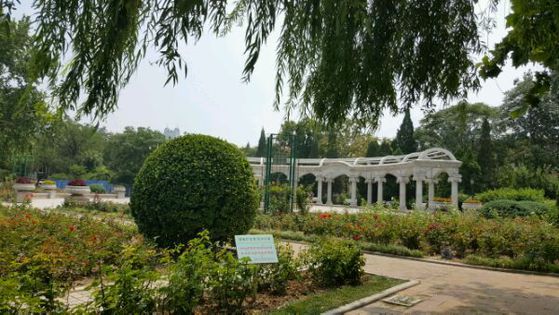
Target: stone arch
(278,177)
(340,188)
(413,168)
(308,180)
(436,153)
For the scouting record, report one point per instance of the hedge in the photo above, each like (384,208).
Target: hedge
(522,194)
(194,183)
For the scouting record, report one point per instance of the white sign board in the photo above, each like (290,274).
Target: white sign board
(259,248)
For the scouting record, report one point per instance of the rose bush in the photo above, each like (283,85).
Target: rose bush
(529,239)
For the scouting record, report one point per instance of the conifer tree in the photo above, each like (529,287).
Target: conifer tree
(261,150)
(486,157)
(405,138)
(373,149)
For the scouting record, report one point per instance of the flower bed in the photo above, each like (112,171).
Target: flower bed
(531,242)
(42,255)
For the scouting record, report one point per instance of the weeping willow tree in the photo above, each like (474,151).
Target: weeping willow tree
(335,58)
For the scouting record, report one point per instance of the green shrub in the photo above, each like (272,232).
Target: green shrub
(59,176)
(128,289)
(97,189)
(511,208)
(99,173)
(521,194)
(275,277)
(232,282)
(192,183)
(77,170)
(279,198)
(302,199)
(7,192)
(188,278)
(335,262)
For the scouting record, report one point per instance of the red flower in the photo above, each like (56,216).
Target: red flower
(77,182)
(432,226)
(72,228)
(356,237)
(24,180)
(325,215)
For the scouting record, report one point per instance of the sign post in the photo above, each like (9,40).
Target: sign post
(259,248)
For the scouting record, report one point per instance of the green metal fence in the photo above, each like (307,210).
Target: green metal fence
(281,167)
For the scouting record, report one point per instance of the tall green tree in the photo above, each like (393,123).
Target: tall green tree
(373,149)
(454,127)
(314,151)
(337,58)
(261,150)
(332,146)
(533,37)
(458,129)
(23,111)
(385,148)
(70,148)
(486,157)
(533,137)
(405,137)
(125,152)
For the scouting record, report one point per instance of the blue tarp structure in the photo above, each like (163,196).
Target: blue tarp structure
(61,183)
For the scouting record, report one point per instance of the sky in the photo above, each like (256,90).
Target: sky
(213,99)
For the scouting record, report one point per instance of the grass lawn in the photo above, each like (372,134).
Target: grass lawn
(330,299)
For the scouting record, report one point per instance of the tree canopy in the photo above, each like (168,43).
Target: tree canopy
(383,51)
(125,152)
(533,37)
(23,111)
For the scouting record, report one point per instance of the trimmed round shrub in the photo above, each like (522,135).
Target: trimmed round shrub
(190,184)
(512,208)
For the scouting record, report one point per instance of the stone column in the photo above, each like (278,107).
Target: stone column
(454,180)
(403,180)
(369,190)
(418,191)
(329,191)
(319,190)
(431,192)
(380,180)
(353,191)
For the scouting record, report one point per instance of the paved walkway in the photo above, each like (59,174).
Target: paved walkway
(459,290)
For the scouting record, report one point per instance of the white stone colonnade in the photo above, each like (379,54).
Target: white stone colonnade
(421,167)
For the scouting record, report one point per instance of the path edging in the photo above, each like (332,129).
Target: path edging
(463,265)
(449,263)
(372,298)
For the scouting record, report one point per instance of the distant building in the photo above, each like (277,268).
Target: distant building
(171,133)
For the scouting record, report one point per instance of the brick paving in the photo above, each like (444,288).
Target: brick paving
(459,290)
